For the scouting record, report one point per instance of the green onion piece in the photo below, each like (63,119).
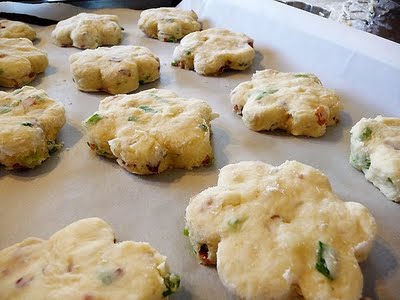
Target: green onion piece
(188,53)
(268,92)
(361,162)
(185,231)
(366,134)
(27,124)
(132,118)
(4,109)
(321,264)
(203,127)
(175,63)
(52,146)
(105,277)
(390,180)
(233,223)
(172,39)
(94,119)
(172,283)
(302,75)
(147,109)
(16,103)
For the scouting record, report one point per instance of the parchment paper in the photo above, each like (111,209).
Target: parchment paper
(75,183)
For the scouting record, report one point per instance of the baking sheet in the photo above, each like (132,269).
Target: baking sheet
(75,183)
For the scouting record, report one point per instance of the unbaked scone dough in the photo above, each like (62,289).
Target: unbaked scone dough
(88,31)
(114,70)
(280,233)
(295,102)
(29,124)
(20,62)
(83,262)
(152,131)
(15,29)
(375,150)
(168,24)
(211,51)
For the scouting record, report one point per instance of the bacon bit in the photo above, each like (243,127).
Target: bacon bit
(296,292)
(206,161)
(153,169)
(31,74)
(3,55)
(182,64)
(21,282)
(238,109)
(92,146)
(322,115)
(17,166)
(203,255)
(88,297)
(222,69)
(125,72)
(28,102)
(5,272)
(118,273)
(274,217)
(228,62)
(70,267)
(115,240)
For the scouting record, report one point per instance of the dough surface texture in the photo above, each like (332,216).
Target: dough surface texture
(280,233)
(29,124)
(152,131)
(82,262)
(294,102)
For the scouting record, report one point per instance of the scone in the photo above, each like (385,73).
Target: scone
(211,51)
(168,24)
(83,262)
(375,150)
(152,131)
(29,124)
(280,233)
(114,70)
(14,29)
(88,31)
(20,62)
(295,102)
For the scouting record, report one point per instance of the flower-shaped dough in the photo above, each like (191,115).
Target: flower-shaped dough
(20,62)
(168,24)
(29,124)
(14,29)
(211,51)
(83,262)
(114,70)
(88,31)
(152,131)
(280,233)
(375,150)
(295,102)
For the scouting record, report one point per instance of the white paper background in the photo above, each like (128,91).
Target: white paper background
(75,183)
